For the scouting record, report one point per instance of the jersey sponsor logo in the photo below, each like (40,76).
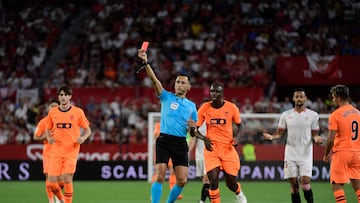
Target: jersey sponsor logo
(218,121)
(174,105)
(63,125)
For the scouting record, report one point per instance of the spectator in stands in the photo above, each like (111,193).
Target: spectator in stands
(286,104)
(23,136)
(247,107)
(97,137)
(4,135)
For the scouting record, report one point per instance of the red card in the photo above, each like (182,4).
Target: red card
(144,46)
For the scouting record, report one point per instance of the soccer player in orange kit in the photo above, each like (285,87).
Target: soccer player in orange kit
(220,154)
(344,141)
(66,123)
(39,134)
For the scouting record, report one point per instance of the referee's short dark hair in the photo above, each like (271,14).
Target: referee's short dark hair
(185,75)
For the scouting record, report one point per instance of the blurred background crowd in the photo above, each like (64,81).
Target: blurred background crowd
(94,44)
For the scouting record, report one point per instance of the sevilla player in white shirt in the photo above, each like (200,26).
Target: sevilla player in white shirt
(302,126)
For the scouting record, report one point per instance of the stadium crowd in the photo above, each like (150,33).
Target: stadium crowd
(198,37)
(195,37)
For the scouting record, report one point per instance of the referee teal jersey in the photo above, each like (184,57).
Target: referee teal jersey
(175,112)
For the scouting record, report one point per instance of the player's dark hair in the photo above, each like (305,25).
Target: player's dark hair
(340,91)
(66,88)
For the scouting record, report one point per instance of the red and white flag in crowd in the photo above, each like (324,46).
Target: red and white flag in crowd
(324,66)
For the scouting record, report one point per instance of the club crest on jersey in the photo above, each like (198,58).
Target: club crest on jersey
(174,105)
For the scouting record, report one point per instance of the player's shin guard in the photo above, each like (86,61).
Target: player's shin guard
(174,193)
(214,195)
(205,191)
(340,196)
(156,191)
(68,192)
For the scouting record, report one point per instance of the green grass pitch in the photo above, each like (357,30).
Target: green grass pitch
(138,192)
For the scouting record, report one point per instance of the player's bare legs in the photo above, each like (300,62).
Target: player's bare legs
(54,187)
(68,187)
(306,188)
(173,180)
(233,185)
(181,173)
(50,193)
(156,188)
(160,172)
(294,186)
(214,192)
(339,193)
(205,188)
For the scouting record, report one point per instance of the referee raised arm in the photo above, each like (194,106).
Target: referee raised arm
(176,110)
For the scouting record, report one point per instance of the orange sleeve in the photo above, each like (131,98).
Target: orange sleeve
(41,127)
(83,121)
(201,116)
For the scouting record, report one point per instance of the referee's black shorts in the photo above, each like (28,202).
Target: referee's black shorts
(174,147)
